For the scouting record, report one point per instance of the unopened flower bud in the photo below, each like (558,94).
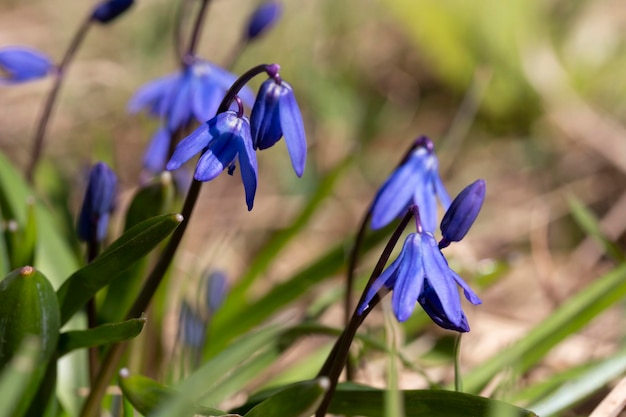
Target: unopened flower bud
(263,19)
(98,204)
(108,11)
(462,213)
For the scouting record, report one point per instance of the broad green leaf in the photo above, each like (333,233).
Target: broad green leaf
(146,395)
(359,400)
(349,400)
(297,400)
(150,201)
(111,264)
(101,335)
(567,319)
(28,306)
(590,225)
(16,375)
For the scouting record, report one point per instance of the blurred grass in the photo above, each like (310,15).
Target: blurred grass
(370,76)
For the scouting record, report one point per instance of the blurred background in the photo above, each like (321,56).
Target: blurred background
(529,95)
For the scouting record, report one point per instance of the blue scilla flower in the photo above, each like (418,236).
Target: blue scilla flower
(192,328)
(462,213)
(421,274)
(216,290)
(220,141)
(262,19)
(98,204)
(156,154)
(192,93)
(109,10)
(276,114)
(415,181)
(18,65)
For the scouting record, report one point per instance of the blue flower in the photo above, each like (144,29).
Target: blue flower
(192,328)
(156,154)
(18,65)
(216,290)
(276,114)
(193,93)
(462,213)
(107,11)
(421,274)
(415,181)
(263,18)
(220,141)
(98,204)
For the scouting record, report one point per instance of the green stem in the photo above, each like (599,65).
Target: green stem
(458,383)
(44,119)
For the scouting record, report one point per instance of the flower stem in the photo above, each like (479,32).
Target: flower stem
(37,146)
(458,384)
(337,358)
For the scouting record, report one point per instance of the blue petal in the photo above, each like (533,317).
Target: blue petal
(206,97)
(409,279)
(150,95)
(426,202)
(220,154)
(293,130)
(23,64)
(469,294)
(190,146)
(265,117)
(442,193)
(226,79)
(180,111)
(387,279)
(396,193)
(263,18)
(432,306)
(438,274)
(248,164)
(156,155)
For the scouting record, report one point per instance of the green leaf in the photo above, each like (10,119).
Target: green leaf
(147,395)
(576,389)
(350,399)
(590,225)
(149,201)
(101,335)
(21,239)
(28,306)
(224,328)
(111,264)
(566,320)
(297,400)
(17,374)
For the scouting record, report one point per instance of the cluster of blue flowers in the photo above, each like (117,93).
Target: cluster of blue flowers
(231,136)
(421,273)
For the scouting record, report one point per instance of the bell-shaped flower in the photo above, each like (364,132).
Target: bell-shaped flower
(462,213)
(98,204)
(109,10)
(18,65)
(263,19)
(192,93)
(421,274)
(276,114)
(220,141)
(415,181)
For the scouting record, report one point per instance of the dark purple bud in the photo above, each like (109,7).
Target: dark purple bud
(462,213)
(263,19)
(98,204)
(108,11)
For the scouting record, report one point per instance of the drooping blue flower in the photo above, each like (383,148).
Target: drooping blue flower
(220,141)
(462,213)
(421,274)
(19,64)
(98,204)
(276,114)
(192,93)
(109,10)
(263,19)
(156,154)
(192,328)
(415,181)
(216,290)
